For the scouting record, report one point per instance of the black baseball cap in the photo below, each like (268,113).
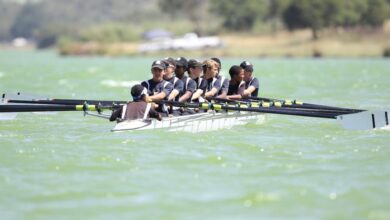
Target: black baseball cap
(170,61)
(192,63)
(181,61)
(159,64)
(247,66)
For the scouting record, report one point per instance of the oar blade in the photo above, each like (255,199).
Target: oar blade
(365,120)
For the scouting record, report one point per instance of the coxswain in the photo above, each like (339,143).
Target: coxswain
(138,109)
(236,84)
(251,83)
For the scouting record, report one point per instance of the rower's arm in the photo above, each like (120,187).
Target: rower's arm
(248,91)
(173,94)
(197,94)
(211,93)
(158,97)
(234,97)
(185,97)
(223,95)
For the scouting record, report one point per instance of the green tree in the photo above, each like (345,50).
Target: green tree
(313,14)
(376,13)
(351,13)
(239,14)
(28,21)
(8,12)
(275,11)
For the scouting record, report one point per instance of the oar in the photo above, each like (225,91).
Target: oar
(357,121)
(298,104)
(246,108)
(51,107)
(20,98)
(68,102)
(305,107)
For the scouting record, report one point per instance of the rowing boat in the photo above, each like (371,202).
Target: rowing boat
(200,122)
(220,113)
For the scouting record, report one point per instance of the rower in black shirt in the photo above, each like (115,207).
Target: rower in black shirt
(178,85)
(236,85)
(189,84)
(251,83)
(224,81)
(195,73)
(157,88)
(210,70)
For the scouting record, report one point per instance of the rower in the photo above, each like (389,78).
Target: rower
(178,85)
(236,85)
(138,109)
(213,85)
(195,71)
(251,83)
(189,84)
(224,81)
(157,88)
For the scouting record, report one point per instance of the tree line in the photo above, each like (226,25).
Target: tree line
(122,20)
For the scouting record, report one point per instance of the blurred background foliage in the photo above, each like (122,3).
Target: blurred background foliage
(48,22)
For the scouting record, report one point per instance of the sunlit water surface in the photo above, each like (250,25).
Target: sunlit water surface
(67,166)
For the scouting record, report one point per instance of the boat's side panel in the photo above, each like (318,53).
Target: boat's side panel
(192,123)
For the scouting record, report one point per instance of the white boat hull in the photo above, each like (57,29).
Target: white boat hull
(195,123)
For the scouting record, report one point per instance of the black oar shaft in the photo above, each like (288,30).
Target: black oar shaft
(272,110)
(306,105)
(301,107)
(36,108)
(67,102)
(52,107)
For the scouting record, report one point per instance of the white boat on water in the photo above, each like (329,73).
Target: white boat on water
(200,122)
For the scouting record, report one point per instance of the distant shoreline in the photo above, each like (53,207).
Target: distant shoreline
(332,43)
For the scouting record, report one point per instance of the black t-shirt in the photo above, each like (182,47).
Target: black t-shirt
(201,83)
(189,84)
(224,84)
(236,89)
(178,85)
(156,88)
(210,84)
(253,82)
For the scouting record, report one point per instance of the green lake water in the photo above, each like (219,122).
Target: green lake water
(67,166)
